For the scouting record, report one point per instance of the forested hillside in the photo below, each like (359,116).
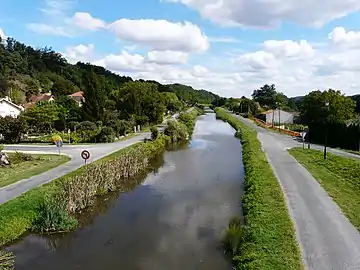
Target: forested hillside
(25,71)
(110,105)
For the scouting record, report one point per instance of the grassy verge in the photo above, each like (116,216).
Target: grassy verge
(339,176)
(25,169)
(267,240)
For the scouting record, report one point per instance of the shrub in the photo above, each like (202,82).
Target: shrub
(106,135)
(176,131)
(19,157)
(72,125)
(7,260)
(234,237)
(53,216)
(12,128)
(154,133)
(99,124)
(86,126)
(1,147)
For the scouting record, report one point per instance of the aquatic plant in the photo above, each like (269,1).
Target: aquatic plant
(53,216)
(7,260)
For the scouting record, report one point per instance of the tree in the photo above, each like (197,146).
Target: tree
(340,109)
(43,115)
(142,101)
(266,96)
(171,101)
(94,95)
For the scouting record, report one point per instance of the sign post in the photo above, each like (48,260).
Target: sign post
(85,155)
(69,131)
(303,134)
(59,144)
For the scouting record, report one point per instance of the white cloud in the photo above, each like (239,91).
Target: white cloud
(2,34)
(224,40)
(83,53)
(161,34)
(124,62)
(340,37)
(260,13)
(295,67)
(257,61)
(167,57)
(289,48)
(84,20)
(51,30)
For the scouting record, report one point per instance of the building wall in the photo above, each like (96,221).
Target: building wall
(8,110)
(285,117)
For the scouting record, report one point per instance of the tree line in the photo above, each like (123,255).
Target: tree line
(319,110)
(110,100)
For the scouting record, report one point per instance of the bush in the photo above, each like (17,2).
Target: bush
(154,133)
(19,157)
(12,129)
(53,216)
(1,147)
(86,126)
(106,135)
(176,131)
(72,125)
(7,260)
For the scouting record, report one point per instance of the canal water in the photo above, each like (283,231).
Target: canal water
(174,220)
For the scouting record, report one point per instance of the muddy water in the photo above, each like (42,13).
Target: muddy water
(174,220)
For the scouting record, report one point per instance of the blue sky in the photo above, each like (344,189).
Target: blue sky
(230,48)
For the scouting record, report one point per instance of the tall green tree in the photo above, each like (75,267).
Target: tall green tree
(340,109)
(94,96)
(142,101)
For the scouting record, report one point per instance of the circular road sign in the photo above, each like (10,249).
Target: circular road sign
(59,143)
(85,154)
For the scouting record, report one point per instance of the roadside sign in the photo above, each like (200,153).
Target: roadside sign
(85,154)
(58,144)
(303,134)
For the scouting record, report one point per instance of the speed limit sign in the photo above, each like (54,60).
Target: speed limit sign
(85,155)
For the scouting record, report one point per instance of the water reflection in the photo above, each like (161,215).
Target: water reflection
(174,220)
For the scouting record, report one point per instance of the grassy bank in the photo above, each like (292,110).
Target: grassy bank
(267,239)
(339,176)
(28,165)
(51,207)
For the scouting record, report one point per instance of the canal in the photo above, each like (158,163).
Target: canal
(173,220)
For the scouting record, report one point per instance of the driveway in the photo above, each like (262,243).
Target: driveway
(97,151)
(327,239)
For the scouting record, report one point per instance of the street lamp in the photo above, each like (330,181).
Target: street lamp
(326,126)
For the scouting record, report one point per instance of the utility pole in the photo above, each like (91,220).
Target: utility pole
(326,126)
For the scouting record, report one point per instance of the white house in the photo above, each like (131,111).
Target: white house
(7,108)
(276,116)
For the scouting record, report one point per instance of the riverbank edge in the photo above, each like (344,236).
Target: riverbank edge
(267,240)
(18,215)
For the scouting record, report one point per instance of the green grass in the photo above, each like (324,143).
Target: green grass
(339,176)
(267,240)
(23,170)
(353,152)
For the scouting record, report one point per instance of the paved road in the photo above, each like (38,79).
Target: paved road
(326,237)
(97,151)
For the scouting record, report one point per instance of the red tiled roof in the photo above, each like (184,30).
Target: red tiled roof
(28,105)
(43,97)
(77,94)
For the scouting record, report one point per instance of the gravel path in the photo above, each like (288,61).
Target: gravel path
(327,239)
(97,151)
